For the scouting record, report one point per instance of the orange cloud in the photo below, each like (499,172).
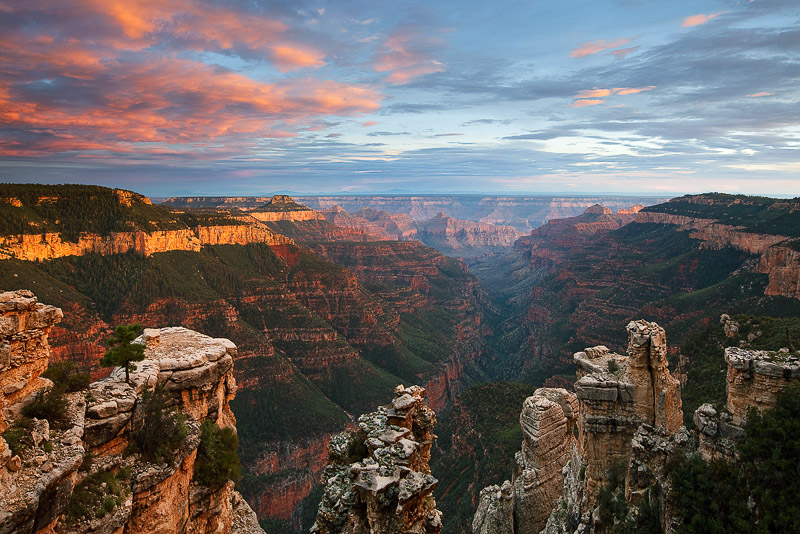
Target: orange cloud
(287,58)
(758,95)
(592,93)
(586,102)
(406,55)
(368,124)
(697,20)
(114,91)
(175,101)
(593,47)
(631,90)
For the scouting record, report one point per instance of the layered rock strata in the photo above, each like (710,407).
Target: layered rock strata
(378,478)
(62,459)
(548,421)
(50,245)
(623,406)
(755,379)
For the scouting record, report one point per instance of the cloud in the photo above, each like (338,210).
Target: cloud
(593,47)
(758,95)
(622,52)
(592,93)
(586,102)
(447,134)
(631,90)
(407,54)
(368,124)
(697,20)
(92,75)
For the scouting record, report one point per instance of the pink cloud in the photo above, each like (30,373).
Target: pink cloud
(622,52)
(592,93)
(697,20)
(115,93)
(368,124)
(406,55)
(593,47)
(586,102)
(758,95)
(631,90)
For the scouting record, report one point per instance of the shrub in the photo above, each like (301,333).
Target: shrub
(97,495)
(217,460)
(18,435)
(161,430)
(67,377)
(48,404)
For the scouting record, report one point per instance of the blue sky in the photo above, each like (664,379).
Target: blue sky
(203,97)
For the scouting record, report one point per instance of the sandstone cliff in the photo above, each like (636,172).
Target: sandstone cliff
(616,397)
(378,478)
(53,481)
(49,245)
(283,208)
(628,416)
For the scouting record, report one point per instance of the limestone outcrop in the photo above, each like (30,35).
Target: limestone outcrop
(50,245)
(284,208)
(548,421)
(627,410)
(378,478)
(65,465)
(755,378)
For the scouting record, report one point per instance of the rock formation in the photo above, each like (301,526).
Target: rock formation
(629,422)
(284,208)
(755,378)
(378,478)
(49,245)
(621,404)
(548,421)
(50,478)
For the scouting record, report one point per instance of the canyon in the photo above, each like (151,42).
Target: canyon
(329,326)
(331,309)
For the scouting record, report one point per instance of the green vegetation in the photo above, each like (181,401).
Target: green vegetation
(615,513)
(757,494)
(67,377)
(73,209)
(486,417)
(50,404)
(755,214)
(122,352)
(160,430)
(18,435)
(98,495)
(704,352)
(217,461)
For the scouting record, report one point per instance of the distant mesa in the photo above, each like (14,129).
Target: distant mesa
(597,209)
(284,208)
(631,211)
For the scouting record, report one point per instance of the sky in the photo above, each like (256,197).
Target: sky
(208,97)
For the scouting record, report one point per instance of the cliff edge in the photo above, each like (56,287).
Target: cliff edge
(82,471)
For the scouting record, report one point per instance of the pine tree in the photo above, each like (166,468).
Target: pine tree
(122,352)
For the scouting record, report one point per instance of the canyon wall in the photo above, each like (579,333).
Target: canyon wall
(53,480)
(47,246)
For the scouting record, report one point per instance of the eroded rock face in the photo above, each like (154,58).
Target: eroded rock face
(618,393)
(38,247)
(37,485)
(523,505)
(378,478)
